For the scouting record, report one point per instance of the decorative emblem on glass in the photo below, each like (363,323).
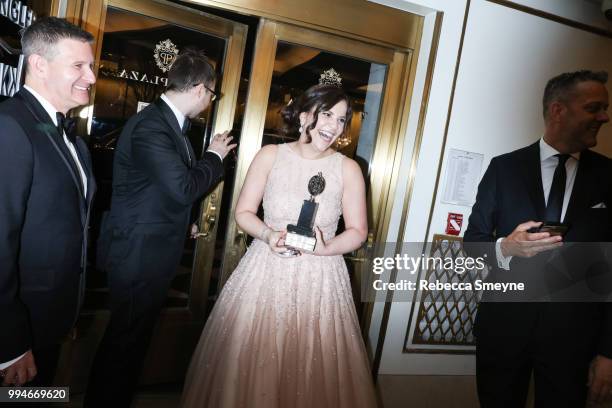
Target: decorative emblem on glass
(165,54)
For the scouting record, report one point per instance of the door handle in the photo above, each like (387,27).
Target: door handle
(369,244)
(370,241)
(241,237)
(355,259)
(208,222)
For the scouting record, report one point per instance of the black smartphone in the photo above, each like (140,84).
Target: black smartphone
(553,228)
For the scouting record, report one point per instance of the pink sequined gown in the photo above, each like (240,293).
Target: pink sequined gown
(284,332)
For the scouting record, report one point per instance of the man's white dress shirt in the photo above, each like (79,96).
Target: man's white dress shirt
(52,112)
(548,164)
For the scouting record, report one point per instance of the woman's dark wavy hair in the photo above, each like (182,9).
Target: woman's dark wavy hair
(321,98)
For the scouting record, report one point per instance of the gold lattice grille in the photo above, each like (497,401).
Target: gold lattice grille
(446,317)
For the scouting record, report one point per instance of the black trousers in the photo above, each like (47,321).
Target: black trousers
(516,341)
(46,364)
(135,307)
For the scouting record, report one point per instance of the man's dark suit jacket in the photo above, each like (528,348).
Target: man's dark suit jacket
(511,193)
(156,179)
(43,228)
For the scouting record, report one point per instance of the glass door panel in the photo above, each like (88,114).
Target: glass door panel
(288,60)
(296,68)
(136,53)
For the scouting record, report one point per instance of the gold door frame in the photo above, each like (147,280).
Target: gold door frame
(362,20)
(389,143)
(94,20)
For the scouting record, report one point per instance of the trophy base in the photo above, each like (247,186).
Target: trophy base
(300,242)
(289,253)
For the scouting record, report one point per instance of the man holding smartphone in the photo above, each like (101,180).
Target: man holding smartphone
(531,201)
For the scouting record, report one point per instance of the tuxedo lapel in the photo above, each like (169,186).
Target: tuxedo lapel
(82,152)
(81,149)
(169,117)
(532,175)
(183,145)
(40,114)
(47,127)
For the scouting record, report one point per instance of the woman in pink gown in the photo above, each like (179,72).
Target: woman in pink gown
(284,332)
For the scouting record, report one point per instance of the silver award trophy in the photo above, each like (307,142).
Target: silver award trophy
(302,236)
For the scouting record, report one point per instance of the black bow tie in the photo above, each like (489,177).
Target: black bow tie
(186,126)
(67,125)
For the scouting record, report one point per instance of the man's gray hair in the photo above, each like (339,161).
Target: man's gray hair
(43,35)
(560,87)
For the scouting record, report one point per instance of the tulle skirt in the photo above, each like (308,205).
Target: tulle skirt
(283,333)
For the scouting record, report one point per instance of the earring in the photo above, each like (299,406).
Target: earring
(301,129)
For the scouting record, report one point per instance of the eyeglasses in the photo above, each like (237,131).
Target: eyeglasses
(212,92)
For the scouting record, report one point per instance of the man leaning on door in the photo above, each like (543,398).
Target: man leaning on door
(156,179)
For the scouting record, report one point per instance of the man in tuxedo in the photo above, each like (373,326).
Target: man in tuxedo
(156,179)
(566,346)
(46,191)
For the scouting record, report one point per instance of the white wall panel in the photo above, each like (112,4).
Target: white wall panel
(507,57)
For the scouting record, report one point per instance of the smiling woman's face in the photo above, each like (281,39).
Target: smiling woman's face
(330,125)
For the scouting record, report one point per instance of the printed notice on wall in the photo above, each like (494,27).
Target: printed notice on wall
(462,177)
